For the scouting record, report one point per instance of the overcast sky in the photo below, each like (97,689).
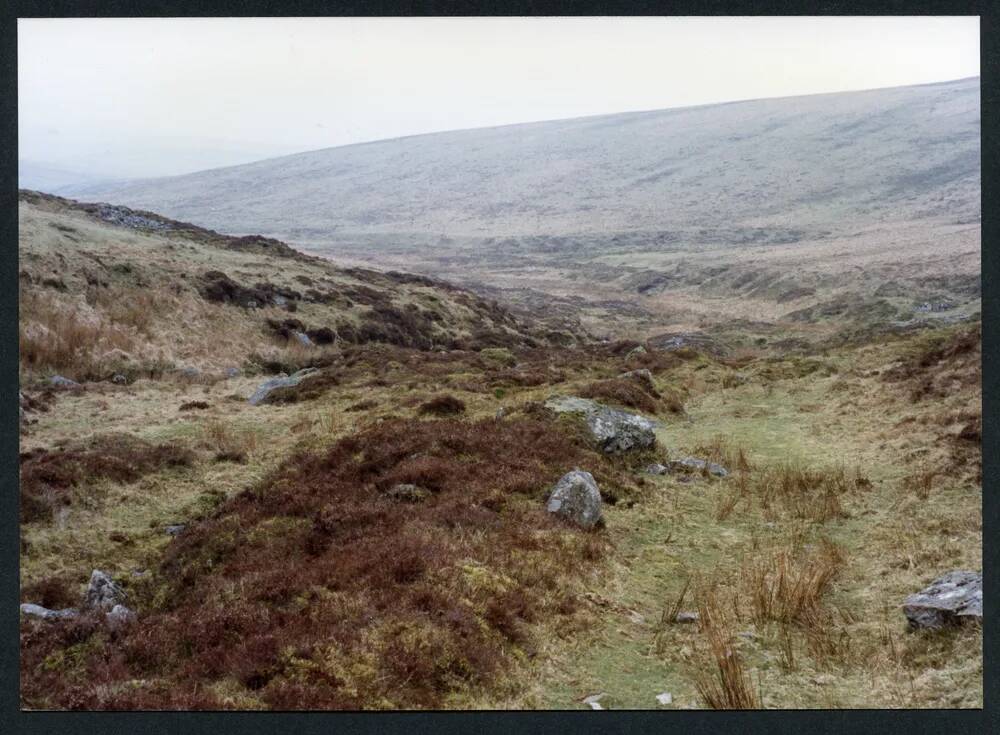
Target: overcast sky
(149,97)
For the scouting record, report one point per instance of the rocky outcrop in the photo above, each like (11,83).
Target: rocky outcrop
(280,382)
(614,431)
(951,599)
(577,499)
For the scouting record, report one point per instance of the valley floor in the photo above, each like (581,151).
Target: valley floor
(897,503)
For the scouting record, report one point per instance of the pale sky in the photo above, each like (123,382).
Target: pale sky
(151,97)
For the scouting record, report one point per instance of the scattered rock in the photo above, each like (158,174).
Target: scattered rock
(232,372)
(119,379)
(303,339)
(594,700)
(102,592)
(576,498)
(665,698)
(37,611)
(125,217)
(405,492)
(655,469)
(60,382)
(119,617)
(693,464)
(951,599)
(176,529)
(280,382)
(615,431)
(501,412)
(687,616)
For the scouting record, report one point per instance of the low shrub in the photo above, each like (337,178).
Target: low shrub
(347,599)
(444,405)
(49,477)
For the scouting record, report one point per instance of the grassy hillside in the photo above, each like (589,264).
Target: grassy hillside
(376,536)
(105,290)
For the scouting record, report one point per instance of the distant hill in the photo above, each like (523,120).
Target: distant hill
(53,179)
(826,161)
(801,213)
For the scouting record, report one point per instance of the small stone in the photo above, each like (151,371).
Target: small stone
(655,469)
(282,381)
(119,379)
(232,372)
(595,705)
(176,529)
(665,698)
(190,372)
(303,339)
(60,382)
(693,464)
(636,618)
(594,698)
(687,616)
(405,492)
(37,611)
(746,635)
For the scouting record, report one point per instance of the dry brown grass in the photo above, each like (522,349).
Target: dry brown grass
(721,680)
(54,335)
(787,586)
(229,441)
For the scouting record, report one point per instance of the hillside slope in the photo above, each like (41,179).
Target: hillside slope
(107,289)
(777,213)
(784,165)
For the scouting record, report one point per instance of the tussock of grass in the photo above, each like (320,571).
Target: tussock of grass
(721,680)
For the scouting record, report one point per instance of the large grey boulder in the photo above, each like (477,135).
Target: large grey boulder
(614,431)
(576,498)
(951,599)
(43,613)
(280,382)
(103,592)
